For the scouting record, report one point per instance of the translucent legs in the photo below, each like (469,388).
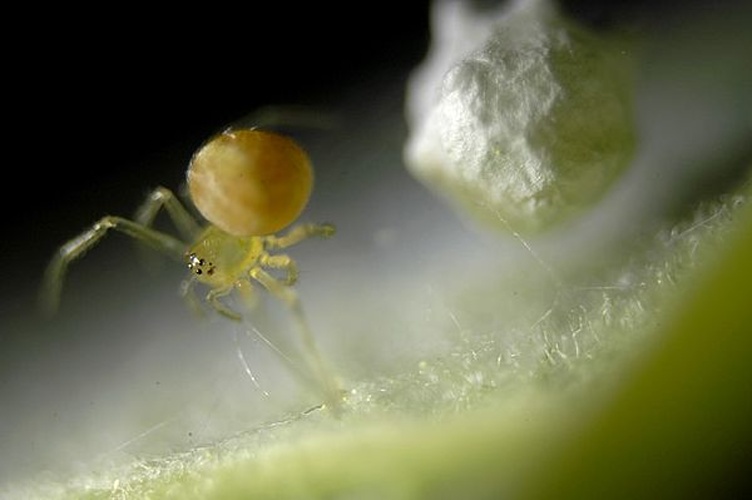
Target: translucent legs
(254,270)
(298,234)
(235,264)
(281,289)
(162,197)
(138,229)
(325,380)
(293,237)
(78,246)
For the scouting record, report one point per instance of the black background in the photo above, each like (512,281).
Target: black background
(103,104)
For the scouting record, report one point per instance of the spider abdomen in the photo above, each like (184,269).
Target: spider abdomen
(250,182)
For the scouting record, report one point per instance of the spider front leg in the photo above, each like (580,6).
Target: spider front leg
(293,237)
(78,246)
(326,381)
(284,263)
(213,298)
(298,234)
(277,288)
(160,198)
(188,294)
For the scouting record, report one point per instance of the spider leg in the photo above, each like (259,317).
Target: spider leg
(160,198)
(78,246)
(328,384)
(298,234)
(278,289)
(283,262)
(188,293)
(213,298)
(248,294)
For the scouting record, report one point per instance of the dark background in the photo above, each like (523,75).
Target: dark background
(103,104)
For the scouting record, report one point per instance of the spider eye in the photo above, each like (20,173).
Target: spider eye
(249,182)
(195,263)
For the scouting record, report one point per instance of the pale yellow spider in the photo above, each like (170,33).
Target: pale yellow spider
(248,184)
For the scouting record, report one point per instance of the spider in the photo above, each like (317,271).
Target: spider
(248,184)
